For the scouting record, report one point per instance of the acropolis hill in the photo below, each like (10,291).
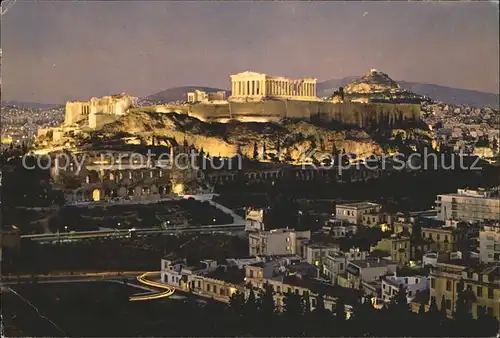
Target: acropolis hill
(255,98)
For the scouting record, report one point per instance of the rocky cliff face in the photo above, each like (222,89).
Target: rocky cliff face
(288,141)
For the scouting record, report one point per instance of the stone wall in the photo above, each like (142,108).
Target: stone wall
(76,111)
(98,120)
(364,115)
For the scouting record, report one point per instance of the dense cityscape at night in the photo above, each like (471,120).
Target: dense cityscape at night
(197,169)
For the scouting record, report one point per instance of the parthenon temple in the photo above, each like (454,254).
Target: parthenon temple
(256,86)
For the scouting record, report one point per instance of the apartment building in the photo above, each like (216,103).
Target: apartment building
(397,246)
(255,218)
(353,212)
(172,272)
(316,253)
(489,244)
(278,242)
(366,270)
(412,285)
(469,205)
(444,239)
(206,279)
(335,263)
(482,280)
(300,278)
(338,229)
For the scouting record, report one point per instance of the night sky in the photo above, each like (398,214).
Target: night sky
(56,51)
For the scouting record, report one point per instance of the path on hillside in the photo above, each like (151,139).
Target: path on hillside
(237,219)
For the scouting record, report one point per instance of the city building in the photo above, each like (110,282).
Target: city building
(316,253)
(335,263)
(287,276)
(444,239)
(338,229)
(366,270)
(397,246)
(278,242)
(255,218)
(257,86)
(413,285)
(482,280)
(353,212)
(204,97)
(207,279)
(489,244)
(469,205)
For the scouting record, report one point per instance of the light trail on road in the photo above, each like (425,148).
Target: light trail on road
(142,279)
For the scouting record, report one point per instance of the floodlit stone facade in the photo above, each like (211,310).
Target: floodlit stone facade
(97,111)
(256,86)
(204,97)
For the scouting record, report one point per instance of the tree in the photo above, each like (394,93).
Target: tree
(421,309)
(278,146)
(236,313)
(255,151)
(340,310)
(462,314)
(237,303)
(250,308)
(335,154)
(494,144)
(363,317)
(313,143)
(442,310)
(293,311)
(306,299)
(267,310)
(433,309)
(322,144)
(341,93)
(266,301)
(399,302)
(264,151)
